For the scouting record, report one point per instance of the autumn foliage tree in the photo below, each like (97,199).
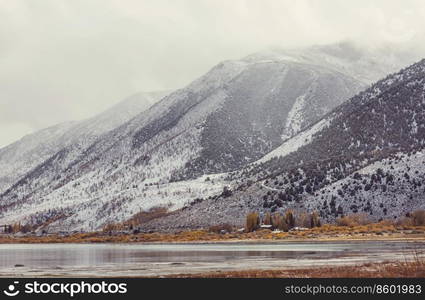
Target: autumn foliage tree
(267,220)
(252,222)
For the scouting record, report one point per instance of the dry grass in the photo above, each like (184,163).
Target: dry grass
(221,228)
(375,231)
(412,269)
(353,220)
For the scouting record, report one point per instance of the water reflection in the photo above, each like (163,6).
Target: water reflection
(94,255)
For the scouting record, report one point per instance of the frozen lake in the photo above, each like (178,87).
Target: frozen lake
(114,260)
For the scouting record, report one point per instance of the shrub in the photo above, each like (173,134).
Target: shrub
(148,215)
(315,220)
(278,222)
(112,227)
(16,228)
(227,192)
(418,218)
(8,229)
(405,221)
(353,220)
(252,222)
(26,228)
(220,228)
(345,221)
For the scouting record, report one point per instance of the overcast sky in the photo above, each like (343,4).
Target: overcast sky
(69,59)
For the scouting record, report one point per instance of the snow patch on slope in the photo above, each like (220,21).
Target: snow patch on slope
(295,118)
(293,144)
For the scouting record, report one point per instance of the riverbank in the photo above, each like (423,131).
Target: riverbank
(377,231)
(412,269)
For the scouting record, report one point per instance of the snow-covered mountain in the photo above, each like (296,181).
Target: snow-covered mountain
(366,64)
(366,156)
(225,120)
(20,157)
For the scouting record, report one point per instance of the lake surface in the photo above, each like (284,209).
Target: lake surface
(91,260)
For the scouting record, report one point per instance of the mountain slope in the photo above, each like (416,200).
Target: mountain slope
(366,156)
(22,156)
(226,119)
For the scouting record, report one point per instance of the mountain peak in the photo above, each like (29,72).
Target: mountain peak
(221,122)
(367,156)
(367,64)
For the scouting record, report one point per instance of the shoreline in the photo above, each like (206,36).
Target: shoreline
(327,233)
(396,269)
(218,241)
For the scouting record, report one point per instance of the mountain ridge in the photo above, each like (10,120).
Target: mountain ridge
(226,119)
(332,173)
(25,154)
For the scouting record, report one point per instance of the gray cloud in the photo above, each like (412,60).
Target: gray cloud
(64,60)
